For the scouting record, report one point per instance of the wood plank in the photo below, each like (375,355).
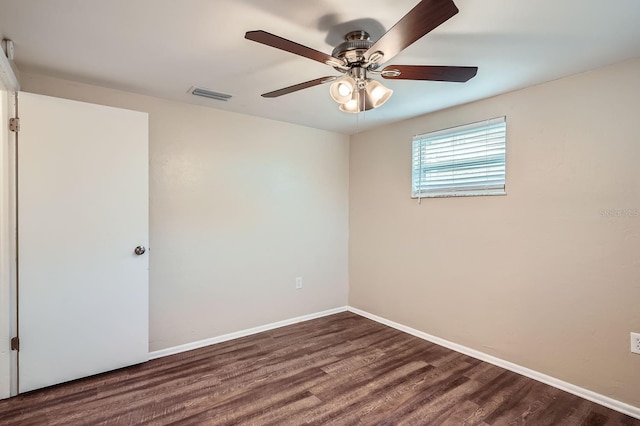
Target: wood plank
(342,369)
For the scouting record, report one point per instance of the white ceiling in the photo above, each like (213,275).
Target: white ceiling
(163,47)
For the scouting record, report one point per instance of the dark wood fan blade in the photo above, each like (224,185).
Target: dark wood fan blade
(292,47)
(297,87)
(426,16)
(430,72)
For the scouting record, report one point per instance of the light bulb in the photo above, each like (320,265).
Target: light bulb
(351,106)
(377,93)
(344,89)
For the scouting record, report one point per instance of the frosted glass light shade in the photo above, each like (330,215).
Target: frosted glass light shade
(377,93)
(342,90)
(351,106)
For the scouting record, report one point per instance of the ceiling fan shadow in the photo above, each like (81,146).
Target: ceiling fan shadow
(304,13)
(337,30)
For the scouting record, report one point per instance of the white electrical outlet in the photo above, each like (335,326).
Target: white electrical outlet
(635,343)
(298,282)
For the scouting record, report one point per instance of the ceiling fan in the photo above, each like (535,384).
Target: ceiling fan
(358,57)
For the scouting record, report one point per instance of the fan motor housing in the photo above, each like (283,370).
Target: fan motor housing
(354,47)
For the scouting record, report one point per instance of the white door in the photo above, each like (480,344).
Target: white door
(82,211)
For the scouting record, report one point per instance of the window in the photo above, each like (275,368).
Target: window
(464,160)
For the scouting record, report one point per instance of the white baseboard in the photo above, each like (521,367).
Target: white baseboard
(606,401)
(242,333)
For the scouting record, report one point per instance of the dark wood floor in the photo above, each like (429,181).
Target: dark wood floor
(338,370)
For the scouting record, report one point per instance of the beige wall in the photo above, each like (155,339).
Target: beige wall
(539,277)
(239,207)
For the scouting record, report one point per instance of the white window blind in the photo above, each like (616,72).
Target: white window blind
(464,160)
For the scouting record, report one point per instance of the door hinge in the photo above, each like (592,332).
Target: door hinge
(14,124)
(15,343)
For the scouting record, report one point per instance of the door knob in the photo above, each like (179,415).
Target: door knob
(139,250)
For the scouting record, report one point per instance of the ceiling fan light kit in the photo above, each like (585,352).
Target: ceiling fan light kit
(347,90)
(358,55)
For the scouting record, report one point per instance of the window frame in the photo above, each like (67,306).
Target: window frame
(498,165)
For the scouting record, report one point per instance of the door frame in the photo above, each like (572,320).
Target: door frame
(9,86)
(8,248)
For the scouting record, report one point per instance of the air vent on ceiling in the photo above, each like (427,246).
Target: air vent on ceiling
(205,93)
